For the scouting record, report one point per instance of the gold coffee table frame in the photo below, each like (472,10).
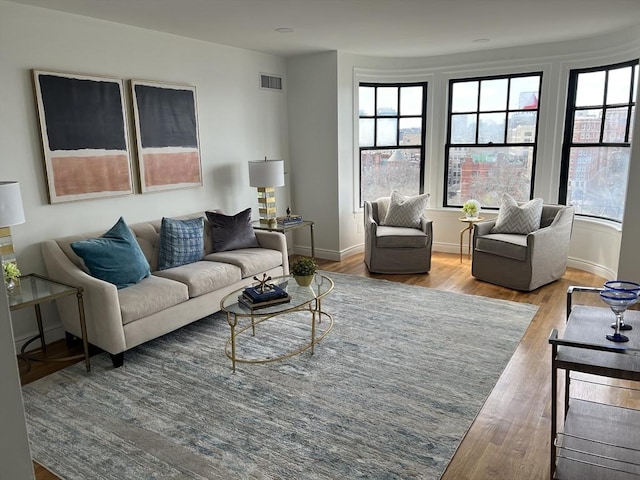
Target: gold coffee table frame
(302,299)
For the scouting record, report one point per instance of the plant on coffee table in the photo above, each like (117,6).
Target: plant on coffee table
(303,270)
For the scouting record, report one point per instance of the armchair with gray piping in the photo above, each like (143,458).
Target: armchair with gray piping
(391,250)
(524,262)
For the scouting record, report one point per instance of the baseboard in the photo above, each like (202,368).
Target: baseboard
(591,267)
(332,255)
(51,334)
(448,247)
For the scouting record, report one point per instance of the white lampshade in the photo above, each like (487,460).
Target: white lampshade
(266,173)
(11,211)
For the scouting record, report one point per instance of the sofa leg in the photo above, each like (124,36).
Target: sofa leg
(117,359)
(70,339)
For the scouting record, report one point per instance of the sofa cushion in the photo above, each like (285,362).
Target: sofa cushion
(503,245)
(399,237)
(231,232)
(520,219)
(203,277)
(405,211)
(251,261)
(115,257)
(151,295)
(181,242)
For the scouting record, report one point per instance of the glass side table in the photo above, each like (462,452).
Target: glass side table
(33,290)
(287,228)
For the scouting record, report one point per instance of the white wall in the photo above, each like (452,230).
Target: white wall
(237,122)
(312,101)
(595,245)
(629,264)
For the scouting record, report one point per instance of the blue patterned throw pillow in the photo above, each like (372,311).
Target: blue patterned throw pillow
(181,242)
(115,257)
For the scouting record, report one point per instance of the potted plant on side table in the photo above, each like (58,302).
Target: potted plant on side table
(303,270)
(11,273)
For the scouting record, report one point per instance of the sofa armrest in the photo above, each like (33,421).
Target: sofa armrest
(275,241)
(100,298)
(426,226)
(482,228)
(370,224)
(550,243)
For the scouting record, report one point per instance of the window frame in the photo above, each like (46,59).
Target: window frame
(421,148)
(569,125)
(450,114)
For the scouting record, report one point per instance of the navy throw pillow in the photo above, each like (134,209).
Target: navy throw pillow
(115,257)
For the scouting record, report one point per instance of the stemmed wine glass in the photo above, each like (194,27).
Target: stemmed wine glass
(618,301)
(625,286)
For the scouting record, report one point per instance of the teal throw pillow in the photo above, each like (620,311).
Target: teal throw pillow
(115,257)
(181,242)
(231,232)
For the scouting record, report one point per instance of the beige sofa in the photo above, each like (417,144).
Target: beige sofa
(118,320)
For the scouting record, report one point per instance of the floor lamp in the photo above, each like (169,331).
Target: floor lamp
(11,213)
(266,175)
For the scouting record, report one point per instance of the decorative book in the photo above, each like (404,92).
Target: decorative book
(253,305)
(289,220)
(270,292)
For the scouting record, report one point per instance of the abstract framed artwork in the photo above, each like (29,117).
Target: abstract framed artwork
(84,135)
(166,126)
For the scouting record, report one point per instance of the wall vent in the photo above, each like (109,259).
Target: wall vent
(270,82)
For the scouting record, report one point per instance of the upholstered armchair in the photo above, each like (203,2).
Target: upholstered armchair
(524,261)
(395,249)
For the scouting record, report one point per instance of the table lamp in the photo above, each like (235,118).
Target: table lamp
(11,213)
(266,175)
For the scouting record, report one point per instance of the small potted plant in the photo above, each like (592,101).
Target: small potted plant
(11,273)
(303,270)
(471,208)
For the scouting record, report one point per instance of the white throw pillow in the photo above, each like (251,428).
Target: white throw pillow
(522,219)
(405,211)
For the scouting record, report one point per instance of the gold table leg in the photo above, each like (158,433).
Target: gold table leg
(83,329)
(468,227)
(232,320)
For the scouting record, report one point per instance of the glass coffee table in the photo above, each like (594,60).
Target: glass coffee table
(303,299)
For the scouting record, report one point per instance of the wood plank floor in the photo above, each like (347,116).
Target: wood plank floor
(509,438)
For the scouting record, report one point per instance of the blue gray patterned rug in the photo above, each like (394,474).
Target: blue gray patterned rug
(388,394)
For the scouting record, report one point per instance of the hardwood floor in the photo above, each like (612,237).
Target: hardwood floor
(509,438)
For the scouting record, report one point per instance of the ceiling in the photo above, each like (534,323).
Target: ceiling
(395,28)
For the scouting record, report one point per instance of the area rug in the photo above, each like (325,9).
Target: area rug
(389,393)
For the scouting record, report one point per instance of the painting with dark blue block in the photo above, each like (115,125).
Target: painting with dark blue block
(84,136)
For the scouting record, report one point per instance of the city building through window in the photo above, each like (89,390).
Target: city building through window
(392,125)
(491,138)
(597,139)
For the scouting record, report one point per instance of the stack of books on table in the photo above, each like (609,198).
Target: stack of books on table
(289,220)
(253,298)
